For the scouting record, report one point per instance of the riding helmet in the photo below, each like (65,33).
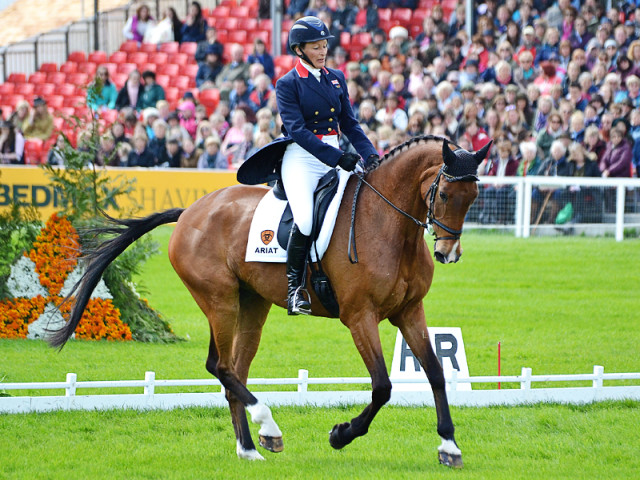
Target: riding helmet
(308,29)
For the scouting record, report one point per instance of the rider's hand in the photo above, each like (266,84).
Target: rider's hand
(348,161)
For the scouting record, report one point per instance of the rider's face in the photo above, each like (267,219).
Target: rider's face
(316,52)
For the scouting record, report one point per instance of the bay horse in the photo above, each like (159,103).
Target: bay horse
(422,178)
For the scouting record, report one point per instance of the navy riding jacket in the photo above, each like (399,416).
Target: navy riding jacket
(310,109)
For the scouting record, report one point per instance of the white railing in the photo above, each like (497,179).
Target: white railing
(149,399)
(523,199)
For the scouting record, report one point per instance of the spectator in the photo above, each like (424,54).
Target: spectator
(530,162)
(235,135)
(107,151)
(20,114)
(555,165)
(366,17)
(190,154)
(151,93)
(498,200)
(239,96)
(11,144)
(204,47)
(195,26)
(158,144)
(209,70)
(40,122)
(212,157)
(260,55)
(140,156)
(392,113)
(130,95)
(548,78)
(524,73)
(122,155)
(187,115)
(102,93)
(296,8)
(236,68)
(169,29)
(586,202)
(616,161)
(259,96)
(343,17)
(138,24)
(550,133)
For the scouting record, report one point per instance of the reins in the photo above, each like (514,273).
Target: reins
(428,225)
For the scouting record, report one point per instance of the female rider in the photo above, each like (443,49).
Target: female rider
(315,109)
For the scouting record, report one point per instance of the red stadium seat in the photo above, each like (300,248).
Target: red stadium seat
(118,57)
(69,67)
(66,89)
(97,57)
(78,79)
(263,35)
(162,80)
(17,78)
(25,89)
(55,101)
(138,58)
(189,48)
(239,11)
(12,100)
(158,58)
(119,79)
(221,12)
(210,99)
(112,68)
(402,14)
(127,68)
(74,101)
(38,77)
(190,70)
(7,89)
(238,36)
(77,56)
(57,78)
(180,58)
(44,89)
(109,116)
(90,67)
(147,66)
(129,46)
(250,24)
(148,47)
(169,69)
(169,47)
(285,62)
(384,13)
(228,24)
(179,81)
(172,94)
(48,67)
(33,151)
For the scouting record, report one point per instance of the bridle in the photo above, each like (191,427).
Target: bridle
(431,218)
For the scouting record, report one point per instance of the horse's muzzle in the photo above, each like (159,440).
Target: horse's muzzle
(452,256)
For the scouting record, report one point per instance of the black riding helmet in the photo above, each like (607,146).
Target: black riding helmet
(306,30)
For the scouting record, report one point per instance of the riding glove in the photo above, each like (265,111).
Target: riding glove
(372,160)
(348,161)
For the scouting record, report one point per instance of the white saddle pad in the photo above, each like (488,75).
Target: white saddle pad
(263,245)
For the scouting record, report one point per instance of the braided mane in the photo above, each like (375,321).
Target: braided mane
(405,146)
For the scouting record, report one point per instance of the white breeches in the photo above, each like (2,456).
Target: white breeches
(301,172)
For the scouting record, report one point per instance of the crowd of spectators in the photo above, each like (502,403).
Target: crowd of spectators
(555,85)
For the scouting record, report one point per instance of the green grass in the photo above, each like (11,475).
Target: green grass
(557,305)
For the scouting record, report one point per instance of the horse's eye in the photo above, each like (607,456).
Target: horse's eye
(443,196)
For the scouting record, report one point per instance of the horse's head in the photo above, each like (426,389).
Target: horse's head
(449,198)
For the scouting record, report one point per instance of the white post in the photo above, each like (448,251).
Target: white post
(150,380)
(620,191)
(70,391)
(303,380)
(519,208)
(525,382)
(526,213)
(453,380)
(598,371)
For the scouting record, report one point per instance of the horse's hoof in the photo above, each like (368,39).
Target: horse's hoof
(451,460)
(273,444)
(336,436)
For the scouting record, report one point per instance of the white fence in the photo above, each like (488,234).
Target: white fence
(624,212)
(149,399)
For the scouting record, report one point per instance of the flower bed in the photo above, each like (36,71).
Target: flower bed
(37,283)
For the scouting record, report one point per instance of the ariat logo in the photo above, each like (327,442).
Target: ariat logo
(266,236)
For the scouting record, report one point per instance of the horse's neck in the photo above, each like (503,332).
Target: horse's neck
(400,180)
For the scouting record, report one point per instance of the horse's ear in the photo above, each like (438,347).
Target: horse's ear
(448,156)
(481,154)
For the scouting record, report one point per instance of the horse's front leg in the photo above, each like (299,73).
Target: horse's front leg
(364,331)
(413,326)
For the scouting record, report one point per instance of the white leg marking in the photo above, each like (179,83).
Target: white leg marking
(247,454)
(452,254)
(450,447)
(261,414)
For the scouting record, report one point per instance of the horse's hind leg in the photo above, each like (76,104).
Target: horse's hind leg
(414,329)
(234,343)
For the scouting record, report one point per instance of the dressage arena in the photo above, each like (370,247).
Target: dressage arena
(557,306)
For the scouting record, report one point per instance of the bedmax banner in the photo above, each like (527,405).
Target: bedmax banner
(154,190)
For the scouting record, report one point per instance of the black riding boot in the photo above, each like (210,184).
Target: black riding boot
(297,250)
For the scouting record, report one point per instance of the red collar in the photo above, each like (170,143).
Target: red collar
(303,72)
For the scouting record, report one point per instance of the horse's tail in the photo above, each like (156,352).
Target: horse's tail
(127,232)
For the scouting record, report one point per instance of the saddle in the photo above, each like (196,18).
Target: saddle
(324,193)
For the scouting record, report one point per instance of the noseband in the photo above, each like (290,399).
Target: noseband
(431,219)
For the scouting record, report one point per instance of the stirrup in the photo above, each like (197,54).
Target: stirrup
(298,304)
